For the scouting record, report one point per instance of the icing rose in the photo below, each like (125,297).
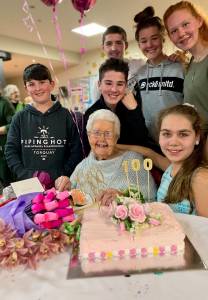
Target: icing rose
(154,222)
(137,213)
(121,212)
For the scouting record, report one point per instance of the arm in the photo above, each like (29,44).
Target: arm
(3,130)
(74,151)
(159,161)
(200,191)
(13,150)
(133,125)
(6,118)
(107,196)
(129,101)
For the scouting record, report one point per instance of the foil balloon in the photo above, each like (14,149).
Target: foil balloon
(50,2)
(83,5)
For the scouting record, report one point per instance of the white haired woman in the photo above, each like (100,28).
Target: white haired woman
(12,92)
(102,170)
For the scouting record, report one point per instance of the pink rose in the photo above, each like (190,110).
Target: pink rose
(137,213)
(121,212)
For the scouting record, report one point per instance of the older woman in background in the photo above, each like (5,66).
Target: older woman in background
(12,92)
(102,170)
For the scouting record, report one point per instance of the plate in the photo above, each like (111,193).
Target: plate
(189,260)
(89,202)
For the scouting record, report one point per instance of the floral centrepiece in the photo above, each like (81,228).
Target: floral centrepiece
(131,215)
(35,245)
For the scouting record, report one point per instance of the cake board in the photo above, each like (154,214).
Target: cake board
(189,260)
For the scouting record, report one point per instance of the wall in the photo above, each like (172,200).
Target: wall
(89,65)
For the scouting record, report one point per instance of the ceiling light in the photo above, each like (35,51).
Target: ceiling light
(89,29)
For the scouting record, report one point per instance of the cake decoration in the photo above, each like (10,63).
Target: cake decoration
(136,167)
(156,232)
(148,167)
(131,215)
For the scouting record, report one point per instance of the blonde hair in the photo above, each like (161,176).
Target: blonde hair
(195,11)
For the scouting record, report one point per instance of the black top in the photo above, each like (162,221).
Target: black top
(43,142)
(133,128)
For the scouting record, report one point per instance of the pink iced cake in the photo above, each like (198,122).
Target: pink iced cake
(127,264)
(101,240)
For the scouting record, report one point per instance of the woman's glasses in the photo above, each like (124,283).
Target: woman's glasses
(99,133)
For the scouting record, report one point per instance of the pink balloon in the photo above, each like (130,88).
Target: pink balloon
(50,2)
(83,5)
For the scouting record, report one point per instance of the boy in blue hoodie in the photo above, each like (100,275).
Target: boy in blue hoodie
(43,137)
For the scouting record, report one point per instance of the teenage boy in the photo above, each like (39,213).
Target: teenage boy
(114,44)
(43,137)
(113,76)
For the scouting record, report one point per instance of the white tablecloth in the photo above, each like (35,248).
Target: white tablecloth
(49,280)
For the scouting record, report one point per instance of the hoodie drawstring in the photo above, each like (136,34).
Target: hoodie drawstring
(147,85)
(161,76)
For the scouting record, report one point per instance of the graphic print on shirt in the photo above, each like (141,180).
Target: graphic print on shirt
(43,145)
(164,83)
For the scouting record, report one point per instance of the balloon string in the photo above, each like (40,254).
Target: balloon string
(31,25)
(66,67)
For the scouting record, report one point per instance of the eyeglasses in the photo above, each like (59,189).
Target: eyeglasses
(98,133)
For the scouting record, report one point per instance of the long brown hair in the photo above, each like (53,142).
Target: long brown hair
(180,187)
(195,11)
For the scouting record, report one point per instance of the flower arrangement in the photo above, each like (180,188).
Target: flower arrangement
(35,245)
(132,215)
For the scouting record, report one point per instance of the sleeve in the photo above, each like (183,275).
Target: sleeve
(13,150)
(74,151)
(74,176)
(95,94)
(85,137)
(8,114)
(136,123)
(182,207)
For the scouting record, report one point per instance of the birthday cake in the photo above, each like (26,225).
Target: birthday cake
(101,240)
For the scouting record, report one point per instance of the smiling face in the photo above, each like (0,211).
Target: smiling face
(151,43)
(114,45)
(40,90)
(112,86)
(183,29)
(177,138)
(102,139)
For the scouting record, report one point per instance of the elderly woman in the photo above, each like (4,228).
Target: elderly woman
(102,169)
(12,92)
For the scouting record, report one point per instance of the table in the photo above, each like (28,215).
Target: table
(49,280)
